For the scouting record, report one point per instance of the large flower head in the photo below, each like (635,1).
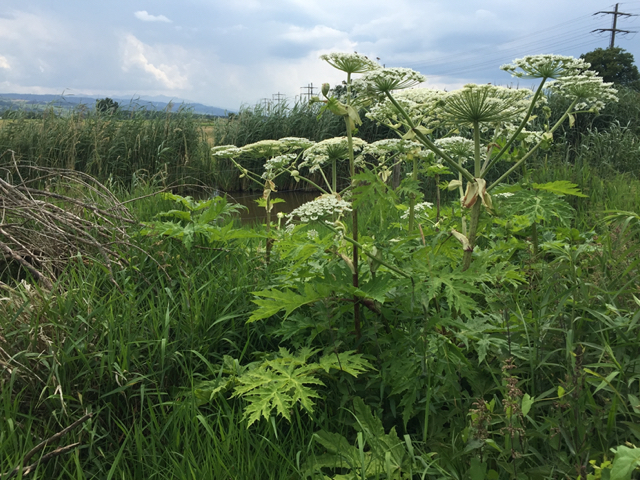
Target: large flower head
(350,62)
(545,66)
(385,80)
(458,148)
(324,206)
(421,104)
(336,148)
(588,88)
(225,151)
(484,104)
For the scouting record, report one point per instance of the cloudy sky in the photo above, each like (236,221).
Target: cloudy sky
(226,53)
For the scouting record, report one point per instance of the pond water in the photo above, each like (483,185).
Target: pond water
(255,213)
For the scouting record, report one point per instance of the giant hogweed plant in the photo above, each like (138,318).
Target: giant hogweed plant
(426,281)
(495,117)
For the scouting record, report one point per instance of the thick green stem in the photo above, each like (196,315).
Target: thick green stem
(334,176)
(412,196)
(269,239)
(473,229)
(354,216)
(475,212)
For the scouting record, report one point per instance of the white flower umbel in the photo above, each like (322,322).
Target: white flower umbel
(350,62)
(478,104)
(336,148)
(419,208)
(392,146)
(545,66)
(276,165)
(295,143)
(322,207)
(458,148)
(386,80)
(225,151)
(421,104)
(587,88)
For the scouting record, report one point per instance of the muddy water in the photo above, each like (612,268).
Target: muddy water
(292,200)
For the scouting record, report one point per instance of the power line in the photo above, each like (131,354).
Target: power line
(613,28)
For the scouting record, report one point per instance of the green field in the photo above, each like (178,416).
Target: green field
(377,344)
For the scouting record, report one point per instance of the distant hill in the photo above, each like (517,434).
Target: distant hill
(36,102)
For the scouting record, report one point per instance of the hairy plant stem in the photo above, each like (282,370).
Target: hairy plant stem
(412,197)
(475,211)
(334,177)
(354,217)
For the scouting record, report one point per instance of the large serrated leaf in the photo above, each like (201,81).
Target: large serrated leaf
(349,362)
(560,187)
(287,300)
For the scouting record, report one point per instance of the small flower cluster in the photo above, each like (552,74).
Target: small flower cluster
(323,206)
(350,62)
(336,148)
(392,146)
(276,165)
(545,66)
(588,88)
(385,80)
(418,209)
(459,148)
(485,104)
(225,151)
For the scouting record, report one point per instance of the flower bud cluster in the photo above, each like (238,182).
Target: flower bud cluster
(323,206)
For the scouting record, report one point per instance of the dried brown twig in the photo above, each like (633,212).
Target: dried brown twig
(50,455)
(56,215)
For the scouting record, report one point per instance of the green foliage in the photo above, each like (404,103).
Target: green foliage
(376,455)
(283,382)
(614,65)
(196,221)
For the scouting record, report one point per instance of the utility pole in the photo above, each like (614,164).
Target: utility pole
(613,29)
(278,97)
(309,91)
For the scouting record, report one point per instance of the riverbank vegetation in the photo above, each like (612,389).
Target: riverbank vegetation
(477,321)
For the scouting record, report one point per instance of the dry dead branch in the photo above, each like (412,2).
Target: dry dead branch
(56,215)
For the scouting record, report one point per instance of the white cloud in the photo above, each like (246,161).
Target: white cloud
(4,63)
(136,54)
(147,17)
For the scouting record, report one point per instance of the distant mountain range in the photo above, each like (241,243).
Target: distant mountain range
(35,102)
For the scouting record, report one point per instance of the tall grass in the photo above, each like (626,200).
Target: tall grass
(170,145)
(130,354)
